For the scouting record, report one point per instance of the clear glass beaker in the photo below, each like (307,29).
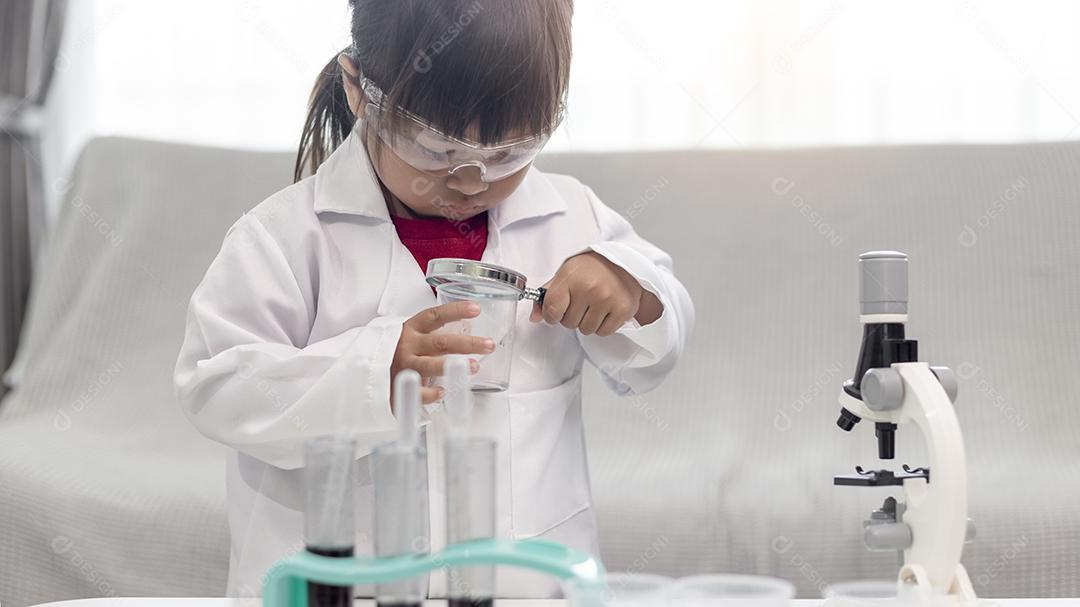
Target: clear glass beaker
(731,591)
(880,593)
(870,591)
(497,290)
(498,311)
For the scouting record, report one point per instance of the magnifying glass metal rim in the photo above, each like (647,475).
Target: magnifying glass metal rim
(446,270)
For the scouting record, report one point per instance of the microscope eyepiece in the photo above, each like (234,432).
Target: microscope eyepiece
(883,282)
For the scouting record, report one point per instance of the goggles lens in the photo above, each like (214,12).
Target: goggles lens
(428,150)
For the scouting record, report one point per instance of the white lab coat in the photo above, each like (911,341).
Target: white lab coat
(291,333)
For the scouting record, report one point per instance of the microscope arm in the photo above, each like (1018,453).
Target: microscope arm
(936,512)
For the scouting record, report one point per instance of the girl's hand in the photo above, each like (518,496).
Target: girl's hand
(593,295)
(425,351)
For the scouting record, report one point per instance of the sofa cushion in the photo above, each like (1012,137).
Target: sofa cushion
(107,488)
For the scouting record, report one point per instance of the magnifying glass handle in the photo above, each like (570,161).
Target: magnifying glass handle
(537,295)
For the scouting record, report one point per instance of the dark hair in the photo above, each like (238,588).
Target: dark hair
(502,66)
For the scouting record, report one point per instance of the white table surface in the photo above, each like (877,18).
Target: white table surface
(220,602)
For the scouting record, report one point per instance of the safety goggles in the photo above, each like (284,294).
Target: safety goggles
(429,150)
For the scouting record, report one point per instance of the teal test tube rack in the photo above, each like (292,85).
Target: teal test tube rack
(581,574)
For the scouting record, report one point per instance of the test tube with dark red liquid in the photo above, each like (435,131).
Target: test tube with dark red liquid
(329,514)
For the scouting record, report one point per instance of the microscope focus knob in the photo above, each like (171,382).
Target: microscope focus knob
(948,381)
(882,389)
(887,536)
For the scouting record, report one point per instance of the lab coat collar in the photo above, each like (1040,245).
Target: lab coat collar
(346,183)
(535,197)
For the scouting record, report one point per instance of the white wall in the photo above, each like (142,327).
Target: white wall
(647,74)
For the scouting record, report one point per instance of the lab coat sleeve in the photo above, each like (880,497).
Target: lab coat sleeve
(635,359)
(246,375)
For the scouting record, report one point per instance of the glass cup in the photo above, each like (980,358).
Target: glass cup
(498,311)
(638,590)
(868,591)
(731,591)
(497,290)
(880,593)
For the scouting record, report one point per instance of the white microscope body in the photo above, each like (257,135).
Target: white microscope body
(890,388)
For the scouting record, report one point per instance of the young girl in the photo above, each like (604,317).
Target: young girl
(421,138)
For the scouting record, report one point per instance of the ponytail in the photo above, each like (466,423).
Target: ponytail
(329,121)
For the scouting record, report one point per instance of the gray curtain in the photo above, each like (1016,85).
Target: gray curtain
(30,33)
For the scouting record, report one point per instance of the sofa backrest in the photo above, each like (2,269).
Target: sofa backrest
(139,224)
(741,437)
(737,449)
(767,243)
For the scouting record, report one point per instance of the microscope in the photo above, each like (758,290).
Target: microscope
(929,525)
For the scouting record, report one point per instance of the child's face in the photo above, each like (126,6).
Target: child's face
(458,196)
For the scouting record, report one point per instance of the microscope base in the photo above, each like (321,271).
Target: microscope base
(960,593)
(910,589)
(938,601)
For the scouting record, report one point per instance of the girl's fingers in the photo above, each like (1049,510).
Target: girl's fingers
(592,321)
(428,366)
(537,313)
(431,395)
(575,313)
(433,366)
(556,302)
(610,325)
(434,318)
(442,344)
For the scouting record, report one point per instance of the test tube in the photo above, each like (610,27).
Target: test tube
(401,502)
(329,521)
(470,515)
(470,489)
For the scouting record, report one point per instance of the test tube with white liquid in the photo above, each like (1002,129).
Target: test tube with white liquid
(470,488)
(401,498)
